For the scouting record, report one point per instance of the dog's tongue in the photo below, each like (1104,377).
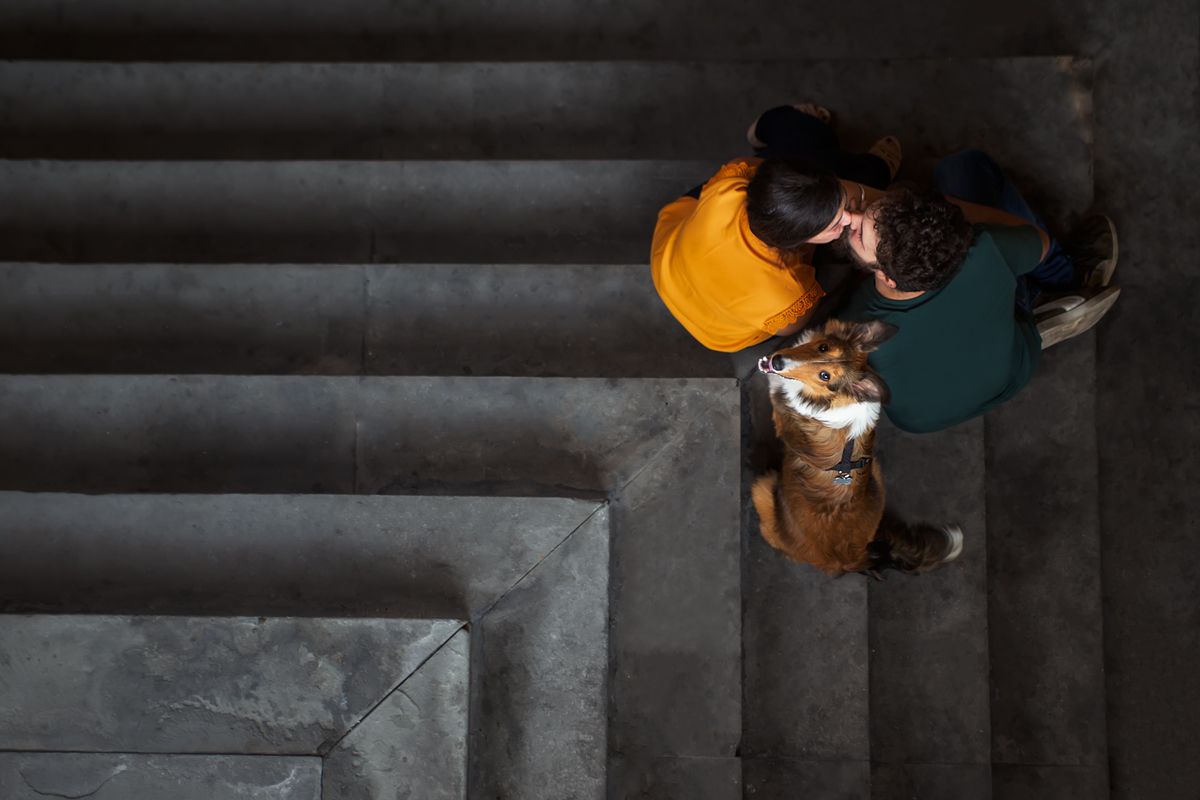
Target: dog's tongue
(764,365)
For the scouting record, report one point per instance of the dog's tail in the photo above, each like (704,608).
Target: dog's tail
(764,495)
(918,547)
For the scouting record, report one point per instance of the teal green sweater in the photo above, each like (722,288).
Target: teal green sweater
(961,349)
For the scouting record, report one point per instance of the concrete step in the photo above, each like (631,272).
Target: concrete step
(131,776)
(414,742)
(218,685)
(326,435)
(398,319)
(555,211)
(229,554)
(528,29)
(1045,617)
(541,110)
(319,212)
(675,656)
(930,720)
(540,677)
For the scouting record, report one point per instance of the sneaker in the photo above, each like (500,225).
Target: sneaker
(1065,317)
(1094,250)
(889,151)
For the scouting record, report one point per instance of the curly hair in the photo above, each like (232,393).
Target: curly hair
(922,239)
(789,201)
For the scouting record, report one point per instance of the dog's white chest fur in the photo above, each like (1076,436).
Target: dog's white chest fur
(858,417)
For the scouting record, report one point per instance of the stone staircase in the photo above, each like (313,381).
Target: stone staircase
(347,452)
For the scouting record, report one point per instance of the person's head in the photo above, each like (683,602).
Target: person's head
(913,242)
(790,203)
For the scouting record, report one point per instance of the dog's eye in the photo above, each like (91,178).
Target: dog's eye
(822,348)
(823,375)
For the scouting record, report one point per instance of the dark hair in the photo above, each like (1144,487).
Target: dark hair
(789,201)
(922,239)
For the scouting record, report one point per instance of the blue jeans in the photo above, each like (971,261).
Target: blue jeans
(972,175)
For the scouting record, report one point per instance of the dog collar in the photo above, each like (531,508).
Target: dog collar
(844,467)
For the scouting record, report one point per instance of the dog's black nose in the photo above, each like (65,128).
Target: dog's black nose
(777,363)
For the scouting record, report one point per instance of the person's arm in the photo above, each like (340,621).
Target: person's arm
(796,326)
(986,215)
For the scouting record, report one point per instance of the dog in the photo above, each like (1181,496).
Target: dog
(826,506)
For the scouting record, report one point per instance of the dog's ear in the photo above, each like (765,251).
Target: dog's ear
(868,388)
(867,336)
(836,329)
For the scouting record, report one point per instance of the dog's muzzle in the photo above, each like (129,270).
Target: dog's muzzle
(771,364)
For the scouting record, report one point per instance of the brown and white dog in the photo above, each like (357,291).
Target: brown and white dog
(826,507)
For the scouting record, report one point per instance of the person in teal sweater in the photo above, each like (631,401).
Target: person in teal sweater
(976,287)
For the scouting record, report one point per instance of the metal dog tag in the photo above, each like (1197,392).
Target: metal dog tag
(842,479)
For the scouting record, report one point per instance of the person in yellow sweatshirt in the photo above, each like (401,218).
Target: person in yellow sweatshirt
(732,259)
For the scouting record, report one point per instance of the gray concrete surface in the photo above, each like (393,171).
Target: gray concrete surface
(536,30)
(928,634)
(116,776)
(675,778)
(1036,782)
(1145,61)
(320,555)
(219,318)
(326,211)
(414,743)
(785,779)
(804,643)
(930,781)
(542,110)
(1045,621)
(333,319)
(539,721)
(200,684)
(1147,438)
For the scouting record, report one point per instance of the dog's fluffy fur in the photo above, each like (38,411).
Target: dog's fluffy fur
(822,394)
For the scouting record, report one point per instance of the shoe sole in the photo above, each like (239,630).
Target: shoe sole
(1068,324)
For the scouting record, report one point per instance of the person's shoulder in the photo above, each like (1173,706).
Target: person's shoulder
(732,176)
(1017,244)
(862,304)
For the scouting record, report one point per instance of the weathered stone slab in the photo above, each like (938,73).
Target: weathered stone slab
(414,744)
(218,318)
(677,612)
(805,650)
(318,555)
(164,433)
(544,109)
(543,320)
(930,781)
(1049,782)
(36,776)
(199,685)
(588,320)
(534,30)
(521,436)
(675,778)
(928,633)
(329,211)
(1045,619)
(540,669)
(790,779)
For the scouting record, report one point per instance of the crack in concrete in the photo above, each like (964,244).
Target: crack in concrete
(408,697)
(51,793)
